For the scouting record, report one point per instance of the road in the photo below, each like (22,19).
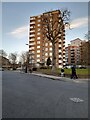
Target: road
(28,96)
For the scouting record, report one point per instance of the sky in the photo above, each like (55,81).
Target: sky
(16,17)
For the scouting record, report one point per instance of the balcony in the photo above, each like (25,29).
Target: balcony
(32,18)
(32,28)
(33,22)
(32,35)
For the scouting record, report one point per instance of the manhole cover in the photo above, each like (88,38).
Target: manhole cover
(77,100)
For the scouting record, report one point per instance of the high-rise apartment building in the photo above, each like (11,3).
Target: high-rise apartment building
(39,48)
(73,53)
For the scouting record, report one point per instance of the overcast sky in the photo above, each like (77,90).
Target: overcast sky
(16,15)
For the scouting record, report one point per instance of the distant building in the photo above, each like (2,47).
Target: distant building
(72,55)
(76,42)
(73,52)
(4,62)
(85,53)
(39,48)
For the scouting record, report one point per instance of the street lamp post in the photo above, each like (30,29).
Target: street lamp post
(29,60)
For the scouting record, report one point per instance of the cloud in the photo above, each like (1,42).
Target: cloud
(20,32)
(80,22)
(23,31)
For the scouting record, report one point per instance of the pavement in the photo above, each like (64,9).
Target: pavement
(53,77)
(59,78)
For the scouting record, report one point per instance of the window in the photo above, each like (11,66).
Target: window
(46,54)
(38,24)
(32,47)
(50,44)
(39,20)
(59,20)
(38,51)
(38,29)
(60,41)
(63,51)
(46,49)
(64,56)
(38,60)
(38,46)
(38,33)
(60,45)
(46,44)
(38,38)
(60,61)
(38,42)
(38,56)
(50,54)
(60,51)
(60,56)
(50,49)
(50,20)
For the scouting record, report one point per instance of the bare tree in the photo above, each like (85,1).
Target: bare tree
(85,50)
(24,57)
(87,35)
(85,53)
(13,58)
(3,53)
(52,27)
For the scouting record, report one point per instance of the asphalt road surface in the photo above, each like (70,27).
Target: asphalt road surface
(28,96)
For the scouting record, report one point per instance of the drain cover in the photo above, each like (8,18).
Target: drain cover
(77,100)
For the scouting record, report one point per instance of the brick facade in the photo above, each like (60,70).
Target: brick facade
(39,48)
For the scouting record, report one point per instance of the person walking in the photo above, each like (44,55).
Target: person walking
(73,75)
(26,69)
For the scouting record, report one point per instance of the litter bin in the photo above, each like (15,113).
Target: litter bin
(62,72)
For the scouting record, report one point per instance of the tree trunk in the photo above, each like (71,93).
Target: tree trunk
(53,58)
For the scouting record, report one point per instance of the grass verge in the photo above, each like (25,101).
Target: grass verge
(81,73)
